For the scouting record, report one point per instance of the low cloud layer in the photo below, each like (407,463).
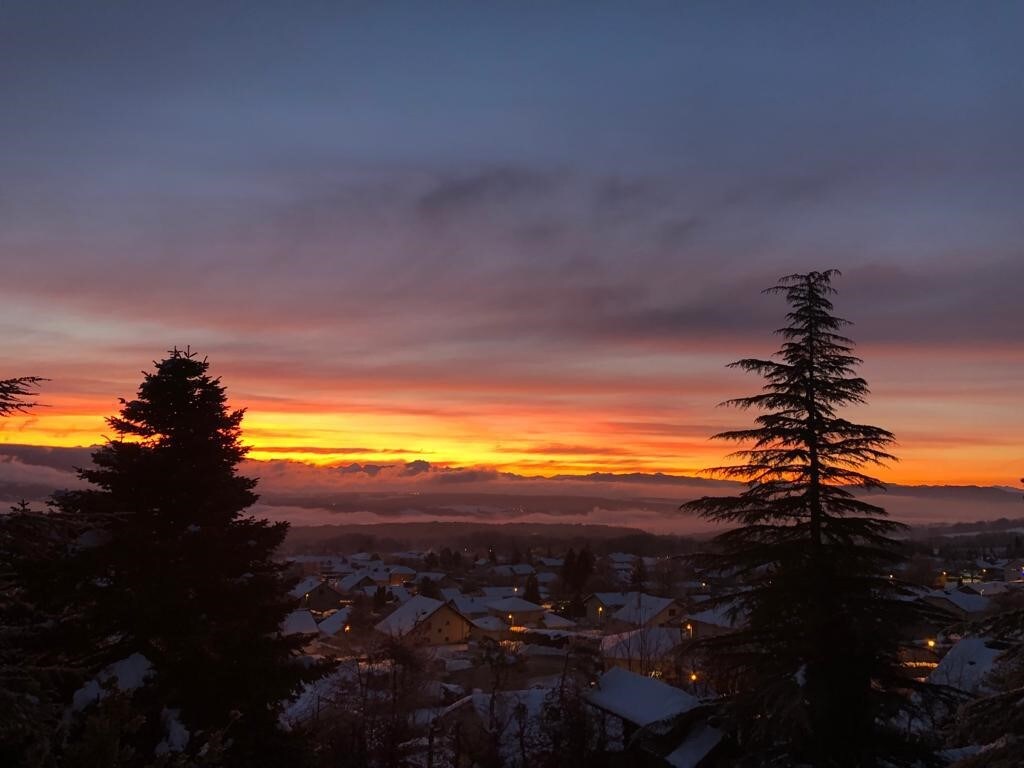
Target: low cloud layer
(416,492)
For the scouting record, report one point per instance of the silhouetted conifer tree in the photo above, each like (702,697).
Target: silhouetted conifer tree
(177,571)
(32,671)
(816,675)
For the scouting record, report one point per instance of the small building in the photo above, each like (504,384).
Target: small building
(336,624)
(712,622)
(660,724)
(646,651)
(516,611)
(601,605)
(642,610)
(425,621)
(323,596)
(958,605)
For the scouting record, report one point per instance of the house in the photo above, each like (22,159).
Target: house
(323,596)
(516,611)
(490,627)
(956,604)
(647,651)
(554,621)
(425,621)
(400,574)
(1013,570)
(471,607)
(967,664)
(601,605)
(642,610)
(336,624)
(355,582)
(712,622)
(631,609)
(667,725)
(511,573)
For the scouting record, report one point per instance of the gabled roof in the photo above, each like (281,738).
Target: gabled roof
(350,582)
(647,642)
(495,593)
(718,616)
(554,621)
(304,586)
(641,608)
(470,606)
(334,623)
(639,699)
(404,618)
(611,599)
(963,601)
(513,605)
(490,624)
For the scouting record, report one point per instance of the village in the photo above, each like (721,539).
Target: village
(464,659)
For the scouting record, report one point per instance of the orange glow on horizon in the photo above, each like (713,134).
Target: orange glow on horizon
(550,440)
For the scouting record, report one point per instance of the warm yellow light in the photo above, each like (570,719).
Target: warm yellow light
(510,617)
(931,643)
(348,628)
(693,677)
(600,609)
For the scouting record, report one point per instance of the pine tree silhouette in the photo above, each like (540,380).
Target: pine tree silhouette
(180,573)
(815,675)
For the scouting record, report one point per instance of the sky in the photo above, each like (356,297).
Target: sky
(519,237)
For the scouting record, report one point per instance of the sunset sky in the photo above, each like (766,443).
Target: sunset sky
(514,235)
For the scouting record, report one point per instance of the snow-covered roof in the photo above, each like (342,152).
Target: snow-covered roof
(431,576)
(490,624)
(401,594)
(962,600)
(334,623)
(547,578)
(403,570)
(966,665)
(450,593)
(351,581)
(513,605)
(554,621)
(494,593)
(299,623)
(718,616)
(408,615)
(647,642)
(695,747)
(640,608)
(986,588)
(639,699)
(304,586)
(470,606)
(612,599)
